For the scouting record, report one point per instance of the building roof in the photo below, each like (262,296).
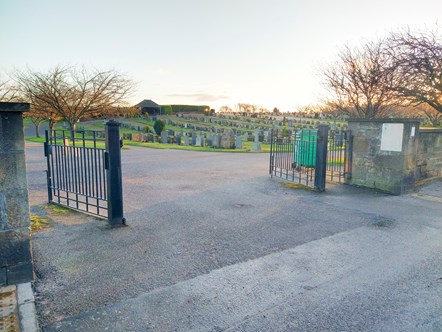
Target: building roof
(147,103)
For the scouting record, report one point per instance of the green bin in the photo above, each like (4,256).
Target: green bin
(305,147)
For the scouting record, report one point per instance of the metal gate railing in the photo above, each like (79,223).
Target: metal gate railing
(339,155)
(84,171)
(310,157)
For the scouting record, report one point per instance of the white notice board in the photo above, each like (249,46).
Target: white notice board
(392,136)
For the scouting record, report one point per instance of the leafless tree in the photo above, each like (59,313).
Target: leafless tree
(8,91)
(75,93)
(432,114)
(246,108)
(418,66)
(361,79)
(225,109)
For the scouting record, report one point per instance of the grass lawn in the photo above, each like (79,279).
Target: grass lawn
(247,146)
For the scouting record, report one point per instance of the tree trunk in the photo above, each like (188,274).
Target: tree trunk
(37,127)
(73,128)
(51,126)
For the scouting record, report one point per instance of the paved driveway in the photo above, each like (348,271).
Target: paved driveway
(214,243)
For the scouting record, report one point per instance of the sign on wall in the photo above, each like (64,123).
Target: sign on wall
(392,137)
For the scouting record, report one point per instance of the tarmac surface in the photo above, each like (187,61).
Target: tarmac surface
(213,243)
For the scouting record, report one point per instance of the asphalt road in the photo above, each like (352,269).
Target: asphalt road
(214,243)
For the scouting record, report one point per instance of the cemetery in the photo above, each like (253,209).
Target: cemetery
(217,132)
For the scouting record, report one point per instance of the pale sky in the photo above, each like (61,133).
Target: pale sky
(212,52)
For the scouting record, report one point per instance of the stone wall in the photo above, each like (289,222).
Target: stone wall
(15,247)
(429,153)
(384,154)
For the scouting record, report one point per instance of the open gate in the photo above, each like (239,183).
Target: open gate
(311,156)
(84,171)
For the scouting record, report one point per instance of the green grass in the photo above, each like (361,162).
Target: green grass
(57,208)
(247,147)
(39,224)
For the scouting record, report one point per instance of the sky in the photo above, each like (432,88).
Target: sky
(204,52)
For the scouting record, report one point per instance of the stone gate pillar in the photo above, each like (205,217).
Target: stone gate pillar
(384,154)
(15,246)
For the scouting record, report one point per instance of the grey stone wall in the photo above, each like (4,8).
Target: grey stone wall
(15,248)
(429,153)
(380,168)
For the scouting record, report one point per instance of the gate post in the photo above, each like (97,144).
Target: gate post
(114,176)
(47,152)
(321,157)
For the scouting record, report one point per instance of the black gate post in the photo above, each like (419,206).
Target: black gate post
(271,153)
(47,152)
(321,157)
(114,177)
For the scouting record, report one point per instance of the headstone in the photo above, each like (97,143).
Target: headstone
(228,139)
(217,141)
(136,137)
(256,146)
(238,143)
(178,140)
(198,141)
(164,137)
(150,137)
(246,137)
(186,140)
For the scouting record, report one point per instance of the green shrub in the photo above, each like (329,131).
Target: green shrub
(158,126)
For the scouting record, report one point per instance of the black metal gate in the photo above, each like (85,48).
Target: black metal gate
(84,171)
(311,156)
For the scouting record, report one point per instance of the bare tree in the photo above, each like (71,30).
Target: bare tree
(8,91)
(75,93)
(361,79)
(225,109)
(418,66)
(247,108)
(432,114)
(37,117)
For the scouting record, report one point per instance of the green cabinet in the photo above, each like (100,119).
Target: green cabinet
(305,147)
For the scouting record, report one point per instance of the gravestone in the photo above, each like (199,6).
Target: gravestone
(238,143)
(217,141)
(178,140)
(228,139)
(150,137)
(246,137)
(136,137)
(198,141)
(164,137)
(186,140)
(256,146)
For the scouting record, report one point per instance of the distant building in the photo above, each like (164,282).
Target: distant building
(149,107)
